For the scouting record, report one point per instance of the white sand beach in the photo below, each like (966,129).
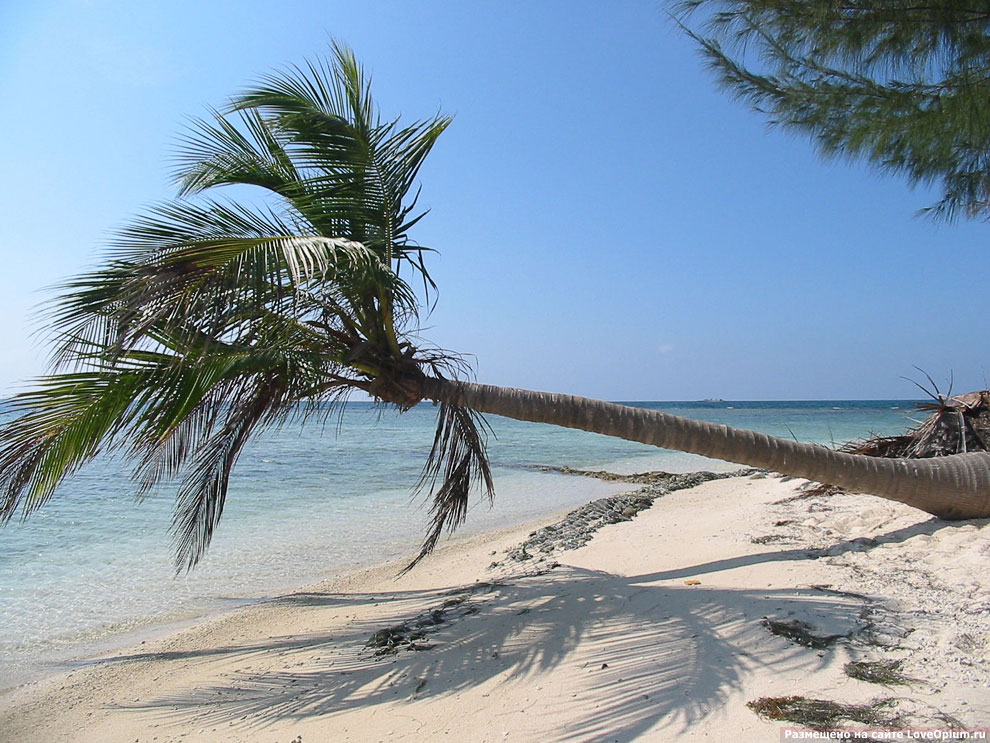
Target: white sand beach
(656,630)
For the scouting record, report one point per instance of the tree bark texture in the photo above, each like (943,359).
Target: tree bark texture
(951,487)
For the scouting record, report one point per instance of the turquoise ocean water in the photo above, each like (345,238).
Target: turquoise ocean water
(93,569)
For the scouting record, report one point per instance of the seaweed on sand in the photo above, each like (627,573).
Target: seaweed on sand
(823,714)
(800,632)
(411,635)
(886,672)
(769,539)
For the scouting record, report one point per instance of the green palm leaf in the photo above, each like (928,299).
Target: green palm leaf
(213,319)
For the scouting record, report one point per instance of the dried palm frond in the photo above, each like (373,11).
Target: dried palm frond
(955,425)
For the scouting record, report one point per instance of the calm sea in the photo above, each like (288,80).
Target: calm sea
(94,567)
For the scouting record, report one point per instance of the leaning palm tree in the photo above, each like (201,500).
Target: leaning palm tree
(212,319)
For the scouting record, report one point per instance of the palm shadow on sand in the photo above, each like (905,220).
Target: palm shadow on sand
(622,654)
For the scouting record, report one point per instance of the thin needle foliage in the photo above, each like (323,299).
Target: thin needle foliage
(900,84)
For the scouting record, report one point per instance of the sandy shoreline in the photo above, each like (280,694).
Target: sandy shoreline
(658,629)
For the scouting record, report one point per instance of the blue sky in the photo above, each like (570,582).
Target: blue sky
(609,223)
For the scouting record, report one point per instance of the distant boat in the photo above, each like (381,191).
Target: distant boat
(713,399)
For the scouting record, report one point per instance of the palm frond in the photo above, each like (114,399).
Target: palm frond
(211,320)
(457,462)
(215,265)
(243,151)
(201,498)
(64,423)
(326,116)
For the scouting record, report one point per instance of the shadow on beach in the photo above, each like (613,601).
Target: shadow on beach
(585,655)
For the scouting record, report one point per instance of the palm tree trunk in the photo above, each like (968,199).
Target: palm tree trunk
(952,487)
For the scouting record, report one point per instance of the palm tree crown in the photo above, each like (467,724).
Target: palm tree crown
(212,317)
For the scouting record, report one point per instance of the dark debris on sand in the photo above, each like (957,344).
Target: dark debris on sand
(884,672)
(800,632)
(824,714)
(579,526)
(412,635)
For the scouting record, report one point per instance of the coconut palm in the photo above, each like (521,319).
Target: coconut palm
(214,318)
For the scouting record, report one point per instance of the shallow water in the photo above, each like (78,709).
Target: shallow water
(310,501)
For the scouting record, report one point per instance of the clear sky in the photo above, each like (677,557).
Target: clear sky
(610,224)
